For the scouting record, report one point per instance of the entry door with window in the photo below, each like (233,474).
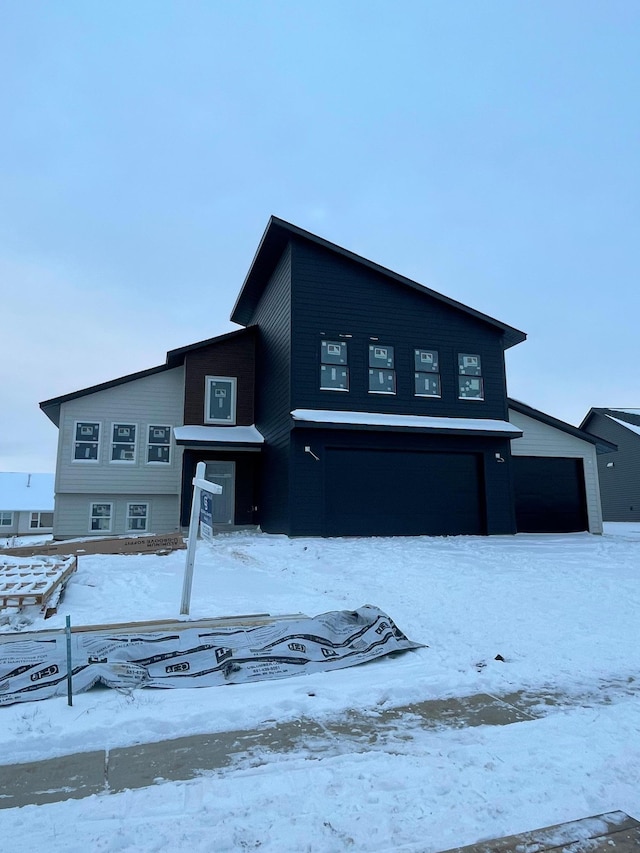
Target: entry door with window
(224,474)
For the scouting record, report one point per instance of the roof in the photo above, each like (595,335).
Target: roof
(274,241)
(602,446)
(215,436)
(633,427)
(26,492)
(376,420)
(624,416)
(175,358)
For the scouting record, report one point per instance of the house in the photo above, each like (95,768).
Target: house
(26,503)
(619,471)
(353,401)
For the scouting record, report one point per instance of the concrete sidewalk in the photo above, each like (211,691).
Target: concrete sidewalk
(109,771)
(82,774)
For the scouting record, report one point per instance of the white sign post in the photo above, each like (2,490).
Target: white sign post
(201,511)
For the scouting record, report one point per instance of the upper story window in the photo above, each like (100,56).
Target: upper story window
(123,443)
(382,374)
(427,373)
(159,444)
(87,441)
(334,368)
(6,519)
(220,400)
(470,383)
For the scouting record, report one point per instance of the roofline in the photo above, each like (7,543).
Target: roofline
(601,444)
(176,356)
(606,410)
(512,336)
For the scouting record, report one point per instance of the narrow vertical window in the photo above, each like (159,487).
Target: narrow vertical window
(159,444)
(86,441)
(470,382)
(220,400)
(382,374)
(334,368)
(427,373)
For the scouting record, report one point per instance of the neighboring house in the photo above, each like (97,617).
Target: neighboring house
(620,471)
(26,503)
(353,402)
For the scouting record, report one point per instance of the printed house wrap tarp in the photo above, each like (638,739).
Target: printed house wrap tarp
(36,668)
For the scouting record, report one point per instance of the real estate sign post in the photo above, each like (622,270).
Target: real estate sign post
(201,515)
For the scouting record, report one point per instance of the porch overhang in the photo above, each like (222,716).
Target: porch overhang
(219,437)
(377,421)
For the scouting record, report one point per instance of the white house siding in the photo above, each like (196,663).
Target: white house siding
(156,399)
(73,514)
(540,439)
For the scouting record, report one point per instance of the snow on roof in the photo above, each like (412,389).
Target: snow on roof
(633,427)
(216,434)
(627,411)
(26,492)
(322,416)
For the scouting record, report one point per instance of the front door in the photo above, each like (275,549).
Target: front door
(224,474)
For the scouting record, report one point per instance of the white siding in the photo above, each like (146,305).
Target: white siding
(156,399)
(540,439)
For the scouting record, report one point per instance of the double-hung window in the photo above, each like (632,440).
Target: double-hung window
(427,373)
(470,382)
(100,517)
(123,443)
(382,374)
(159,444)
(334,367)
(6,519)
(87,441)
(137,517)
(220,400)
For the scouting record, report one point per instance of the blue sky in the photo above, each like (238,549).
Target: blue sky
(489,150)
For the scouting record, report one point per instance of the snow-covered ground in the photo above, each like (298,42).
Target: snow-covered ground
(563,612)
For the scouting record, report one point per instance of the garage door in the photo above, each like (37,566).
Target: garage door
(393,492)
(549,495)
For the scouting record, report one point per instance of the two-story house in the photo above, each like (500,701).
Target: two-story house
(353,402)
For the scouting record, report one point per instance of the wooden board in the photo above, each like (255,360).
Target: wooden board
(110,545)
(25,583)
(613,832)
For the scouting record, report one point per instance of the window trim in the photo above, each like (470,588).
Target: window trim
(129,529)
(9,513)
(109,529)
(233,380)
(150,444)
(113,443)
(479,376)
(433,373)
(74,442)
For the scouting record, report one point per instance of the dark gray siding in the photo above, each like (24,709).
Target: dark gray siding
(619,472)
(273,395)
(336,296)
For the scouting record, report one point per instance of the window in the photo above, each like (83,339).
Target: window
(159,444)
(382,375)
(470,383)
(220,400)
(137,515)
(334,370)
(40,519)
(87,441)
(123,443)
(101,517)
(6,519)
(427,373)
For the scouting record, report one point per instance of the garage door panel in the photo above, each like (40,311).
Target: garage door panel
(390,492)
(549,495)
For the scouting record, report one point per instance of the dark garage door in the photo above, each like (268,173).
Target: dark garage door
(393,492)
(549,495)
